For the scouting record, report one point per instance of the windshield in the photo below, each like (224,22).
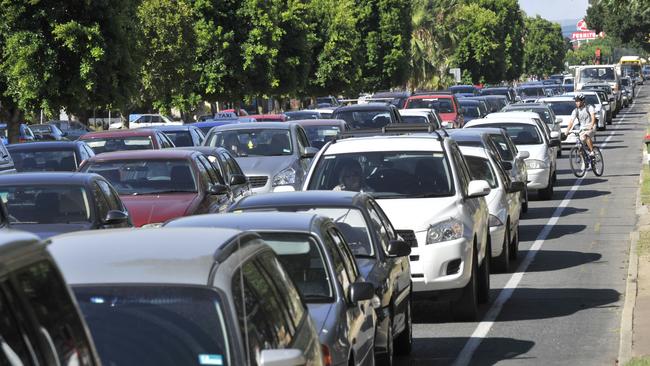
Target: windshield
(304,261)
(155,325)
(254,142)
(462,89)
(393,174)
(301,115)
(46,160)
(110,144)
(471,111)
(562,108)
(495,92)
(531,92)
(481,169)
(625,82)
(597,74)
(415,119)
(442,105)
(521,134)
(41,128)
(180,138)
(146,176)
(543,113)
(28,204)
(364,119)
(320,135)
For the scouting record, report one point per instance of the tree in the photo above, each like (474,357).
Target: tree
(479,50)
(432,43)
(544,48)
(587,52)
(628,21)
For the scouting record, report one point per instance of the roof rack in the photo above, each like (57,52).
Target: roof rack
(432,92)
(405,128)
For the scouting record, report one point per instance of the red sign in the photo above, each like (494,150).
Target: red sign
(582,26)
(581,36)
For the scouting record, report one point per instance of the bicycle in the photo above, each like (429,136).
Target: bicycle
(581,160)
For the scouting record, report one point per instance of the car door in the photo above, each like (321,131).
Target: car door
(360,322)
(214,202)
(19,347)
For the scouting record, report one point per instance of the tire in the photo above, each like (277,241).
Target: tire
(598,167)
(502,263)
(466,308)
(404,341)
(484,276)
(577,162)
(514,246)
(388,358)
(524,201)
(546,194)
(559,152)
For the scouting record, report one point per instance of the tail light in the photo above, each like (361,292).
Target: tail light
(21,140)
(327,356)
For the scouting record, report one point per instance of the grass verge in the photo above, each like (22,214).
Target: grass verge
(643,245)
(645,186)
(643,361)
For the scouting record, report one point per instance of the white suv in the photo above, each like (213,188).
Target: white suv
(423,184)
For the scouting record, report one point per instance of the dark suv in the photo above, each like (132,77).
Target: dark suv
(369,117)
(40,323)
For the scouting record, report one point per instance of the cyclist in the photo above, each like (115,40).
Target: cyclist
(585,116)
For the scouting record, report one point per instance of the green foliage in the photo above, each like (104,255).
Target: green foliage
(587,52)
(628,21)
(544,49)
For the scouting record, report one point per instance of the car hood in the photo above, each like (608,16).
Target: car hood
(537,152)
(565,120)
(148,209)
(418,214)
(448,116)
(321,314)
(264,165)
(45,231)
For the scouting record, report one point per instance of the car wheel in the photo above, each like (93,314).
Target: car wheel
(466,308)
(547,193)
(559,152)
(484,276)
(502,262)
(388,357)
(514,248)
(404,341)
(524,201)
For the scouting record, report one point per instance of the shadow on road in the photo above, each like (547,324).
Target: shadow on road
(586,193)
(529,232)
(569,182)
(610,147)
(546,212)
(554,260)
(443,351)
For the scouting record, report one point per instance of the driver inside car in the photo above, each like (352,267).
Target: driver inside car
(351,178)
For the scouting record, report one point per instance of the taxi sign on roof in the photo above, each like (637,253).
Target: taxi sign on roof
(225,115)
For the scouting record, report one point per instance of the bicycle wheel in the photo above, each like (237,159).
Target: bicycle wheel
(578,163)
(597,162)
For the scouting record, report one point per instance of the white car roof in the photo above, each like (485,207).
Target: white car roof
(501,120)
(586,92)
(421,142)
(556,99)
(513,114)
(415,112)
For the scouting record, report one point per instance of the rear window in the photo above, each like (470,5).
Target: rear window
(155,325)
(442,105)
(521,134)
(45,160)
(415,119)
(50,204)
(562,108)
(110,144)
(180,138)
(364,119)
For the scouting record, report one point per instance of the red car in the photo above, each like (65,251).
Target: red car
(159,185)
(121,140)
(269,117)
(445,104)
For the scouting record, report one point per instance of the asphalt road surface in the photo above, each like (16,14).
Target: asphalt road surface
(563,303)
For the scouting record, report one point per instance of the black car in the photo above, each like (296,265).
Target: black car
(72,129)
(48,204)
(396,98)
(40,321)
(228,170)
(54,156)
(372,238)
(508,91)
(47,132)
(185,135)
(368,117)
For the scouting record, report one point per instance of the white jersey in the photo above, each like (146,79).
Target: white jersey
(582,117)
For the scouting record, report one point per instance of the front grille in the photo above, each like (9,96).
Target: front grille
(409,237)
(417,275)
(258,181)
(414,258)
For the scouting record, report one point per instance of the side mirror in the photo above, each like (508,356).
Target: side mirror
(558,120)
(523,155)
(516,187)
(398,248)
(361,291)
(115,217)
(310,152)
(555,135)
(217,189)
(282,357)
(478,188)
(554,143)
(237,179)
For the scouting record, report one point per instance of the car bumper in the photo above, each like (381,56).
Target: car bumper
(431,263)
(538,178)
(497,234)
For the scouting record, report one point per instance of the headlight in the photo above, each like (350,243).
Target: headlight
(152,225)
(285,177)
(494,221)
(444,231)
(536,164)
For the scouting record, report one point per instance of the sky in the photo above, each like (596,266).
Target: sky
(555,9)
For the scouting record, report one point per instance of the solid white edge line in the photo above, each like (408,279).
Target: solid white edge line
(483,328)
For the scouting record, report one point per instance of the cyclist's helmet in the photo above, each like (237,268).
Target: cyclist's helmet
(580,97)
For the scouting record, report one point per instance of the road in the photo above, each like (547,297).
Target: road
(563,304)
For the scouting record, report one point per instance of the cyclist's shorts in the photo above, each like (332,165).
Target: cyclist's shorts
(585,133)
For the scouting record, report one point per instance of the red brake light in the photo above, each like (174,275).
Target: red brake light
(327,356)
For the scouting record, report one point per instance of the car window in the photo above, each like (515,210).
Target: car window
(253,142)
(384,219)
(262,320)
(288,292)
(379,228)
(112,198)
(481,169)
(46,204)
(340,270)
(166,143)
(442,105)
(461,171)
(348,258)
(57,317)
(364,119)
(209,170)
(101,203)
(233,165)
(45,160)
(83,153)
(110,144)
(14,351)
(520,133)
(303,141)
